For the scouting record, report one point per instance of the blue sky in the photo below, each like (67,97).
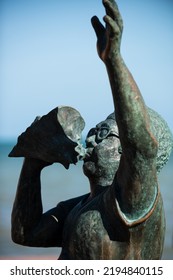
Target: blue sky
(48,58)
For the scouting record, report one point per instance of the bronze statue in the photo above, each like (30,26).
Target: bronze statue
(122,217)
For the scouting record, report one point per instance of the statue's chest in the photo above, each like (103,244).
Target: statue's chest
(92,231)
(88,238)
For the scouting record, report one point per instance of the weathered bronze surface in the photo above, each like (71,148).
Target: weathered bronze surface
(122,217)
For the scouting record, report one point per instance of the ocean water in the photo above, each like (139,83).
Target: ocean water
(60,184)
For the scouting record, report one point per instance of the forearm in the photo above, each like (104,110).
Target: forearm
(136,174)
(131,113)
(27,208)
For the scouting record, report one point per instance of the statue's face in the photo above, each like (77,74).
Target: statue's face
(103,153)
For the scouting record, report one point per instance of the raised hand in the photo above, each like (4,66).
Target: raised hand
(109,37)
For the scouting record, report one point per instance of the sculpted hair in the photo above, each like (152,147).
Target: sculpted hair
(163,135)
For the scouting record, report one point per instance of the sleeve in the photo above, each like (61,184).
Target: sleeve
(112,202)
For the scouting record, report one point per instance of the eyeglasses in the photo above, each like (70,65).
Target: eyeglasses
(102,132)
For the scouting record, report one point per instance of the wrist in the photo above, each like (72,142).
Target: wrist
(33,165)
(113,58)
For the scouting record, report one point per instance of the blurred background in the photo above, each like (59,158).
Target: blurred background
(48,58)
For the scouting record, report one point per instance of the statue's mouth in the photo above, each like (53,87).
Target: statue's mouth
(85,154)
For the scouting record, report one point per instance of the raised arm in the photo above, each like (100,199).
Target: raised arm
(136,175)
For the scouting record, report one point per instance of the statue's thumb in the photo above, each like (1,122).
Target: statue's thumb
(98,26)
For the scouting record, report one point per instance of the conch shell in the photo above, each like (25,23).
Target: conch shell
(53,137)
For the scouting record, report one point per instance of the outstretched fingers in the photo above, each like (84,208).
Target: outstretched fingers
(112,11)
(112,25)
(109,36)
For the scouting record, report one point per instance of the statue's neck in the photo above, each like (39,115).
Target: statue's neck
(95,190)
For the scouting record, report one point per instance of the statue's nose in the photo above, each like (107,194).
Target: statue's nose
(91,141)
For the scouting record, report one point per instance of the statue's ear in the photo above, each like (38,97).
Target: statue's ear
(52,138)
